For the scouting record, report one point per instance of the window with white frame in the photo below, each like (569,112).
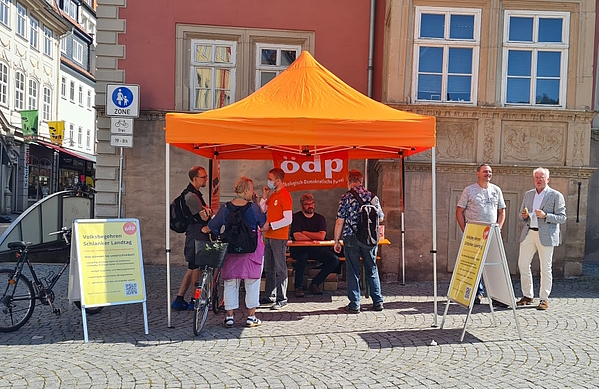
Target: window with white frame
(72,91)
(63,45)
(66,6)
(212,74)
(33,32)
(88,140)
(77,51)
(535,58)
(73,10)
(446,50)
(48,41)
(47,104)
(80,137)
(81,95)
(71,134)
(89,99)
(272,60)
(5,12)
(21,20)
(3,83)
(19,90)
(63,87)
(32,94)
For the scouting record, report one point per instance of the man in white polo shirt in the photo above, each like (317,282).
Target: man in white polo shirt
(481,202)
(543,209)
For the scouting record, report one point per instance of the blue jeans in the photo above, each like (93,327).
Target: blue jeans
(353,251)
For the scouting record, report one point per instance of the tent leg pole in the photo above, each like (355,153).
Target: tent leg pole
(168,237)
(403,250)
(402,199)
(434,250)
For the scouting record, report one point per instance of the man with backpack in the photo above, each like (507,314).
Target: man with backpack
(198,214)
(356,223)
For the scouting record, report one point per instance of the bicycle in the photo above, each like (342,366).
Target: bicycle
(210,257)
(19,294)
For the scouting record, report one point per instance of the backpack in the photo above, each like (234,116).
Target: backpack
(368,222)
(179,213)
(242,238)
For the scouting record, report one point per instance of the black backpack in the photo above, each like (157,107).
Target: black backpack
(180,213)
(242,238)
(368,222)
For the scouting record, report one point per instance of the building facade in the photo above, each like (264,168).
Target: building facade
(29,72)
(510,83)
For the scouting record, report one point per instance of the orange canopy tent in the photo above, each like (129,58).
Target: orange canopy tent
(305,110)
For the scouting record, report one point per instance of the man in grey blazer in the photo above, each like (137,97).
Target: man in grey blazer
(543,209)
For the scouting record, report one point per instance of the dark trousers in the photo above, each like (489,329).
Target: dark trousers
(324,255)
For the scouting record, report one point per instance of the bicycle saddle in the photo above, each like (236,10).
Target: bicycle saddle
(18,245)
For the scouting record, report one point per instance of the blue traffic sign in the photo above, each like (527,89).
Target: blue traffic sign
(122,97)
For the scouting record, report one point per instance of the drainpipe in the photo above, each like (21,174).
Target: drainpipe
(370,66)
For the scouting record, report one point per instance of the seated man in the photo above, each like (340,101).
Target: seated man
(308,225)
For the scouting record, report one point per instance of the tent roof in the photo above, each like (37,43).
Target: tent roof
(306,109)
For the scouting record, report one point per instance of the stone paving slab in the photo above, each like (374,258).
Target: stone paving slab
(312,344)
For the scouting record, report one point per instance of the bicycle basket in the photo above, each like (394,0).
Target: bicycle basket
(210,254)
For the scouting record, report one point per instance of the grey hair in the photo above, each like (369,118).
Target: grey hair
(542,170)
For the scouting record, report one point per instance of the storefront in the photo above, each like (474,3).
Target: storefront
(51,168)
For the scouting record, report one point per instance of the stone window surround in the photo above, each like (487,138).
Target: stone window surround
(246,39)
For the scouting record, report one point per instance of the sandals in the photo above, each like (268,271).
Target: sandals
(253,322)
(229,321)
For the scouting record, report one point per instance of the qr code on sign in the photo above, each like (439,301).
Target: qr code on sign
(467,293)
(131,289)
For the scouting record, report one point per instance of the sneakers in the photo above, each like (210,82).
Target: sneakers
(378,306)
(229,321)
(315,289)
(180,305)
(191,305)
(279,305)
(253,322)
(543,305)
(524,301)
(478,299)
(299,292)
(265,301)
(350,310)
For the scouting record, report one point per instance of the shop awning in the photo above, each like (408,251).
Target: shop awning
(66,151)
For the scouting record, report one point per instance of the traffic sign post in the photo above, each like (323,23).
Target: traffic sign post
(122,105)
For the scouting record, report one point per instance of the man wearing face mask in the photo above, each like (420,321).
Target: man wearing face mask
(276,202)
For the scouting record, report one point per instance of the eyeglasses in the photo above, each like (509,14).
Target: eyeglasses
(202,177)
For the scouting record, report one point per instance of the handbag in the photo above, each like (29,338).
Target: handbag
(211,254)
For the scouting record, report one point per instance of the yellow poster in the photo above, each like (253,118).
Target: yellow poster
(463,284)
(110,262)
(56,132)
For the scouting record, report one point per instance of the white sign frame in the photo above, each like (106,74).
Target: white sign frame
(125,141)
(496,275)
(121,126)
(129,111)
(76,280)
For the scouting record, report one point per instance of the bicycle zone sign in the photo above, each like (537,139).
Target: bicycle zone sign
(122,105)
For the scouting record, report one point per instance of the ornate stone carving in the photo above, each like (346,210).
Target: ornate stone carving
(5,41)
(533,142)
(576,173)
(456,141)
(489,148)
(577,154)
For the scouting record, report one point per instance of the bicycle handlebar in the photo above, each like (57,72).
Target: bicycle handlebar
(63,230)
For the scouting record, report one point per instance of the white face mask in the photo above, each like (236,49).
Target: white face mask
(270,184)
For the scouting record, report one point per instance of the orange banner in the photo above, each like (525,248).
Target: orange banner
(314,172)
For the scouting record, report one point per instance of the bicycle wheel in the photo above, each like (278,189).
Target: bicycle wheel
(16,302)
(202,299)
(218,294)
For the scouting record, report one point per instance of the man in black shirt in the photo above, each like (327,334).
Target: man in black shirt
(308,225)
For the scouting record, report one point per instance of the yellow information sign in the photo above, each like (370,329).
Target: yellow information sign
(110,262)
(463,284)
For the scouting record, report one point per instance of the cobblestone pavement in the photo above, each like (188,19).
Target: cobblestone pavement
(313,344)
